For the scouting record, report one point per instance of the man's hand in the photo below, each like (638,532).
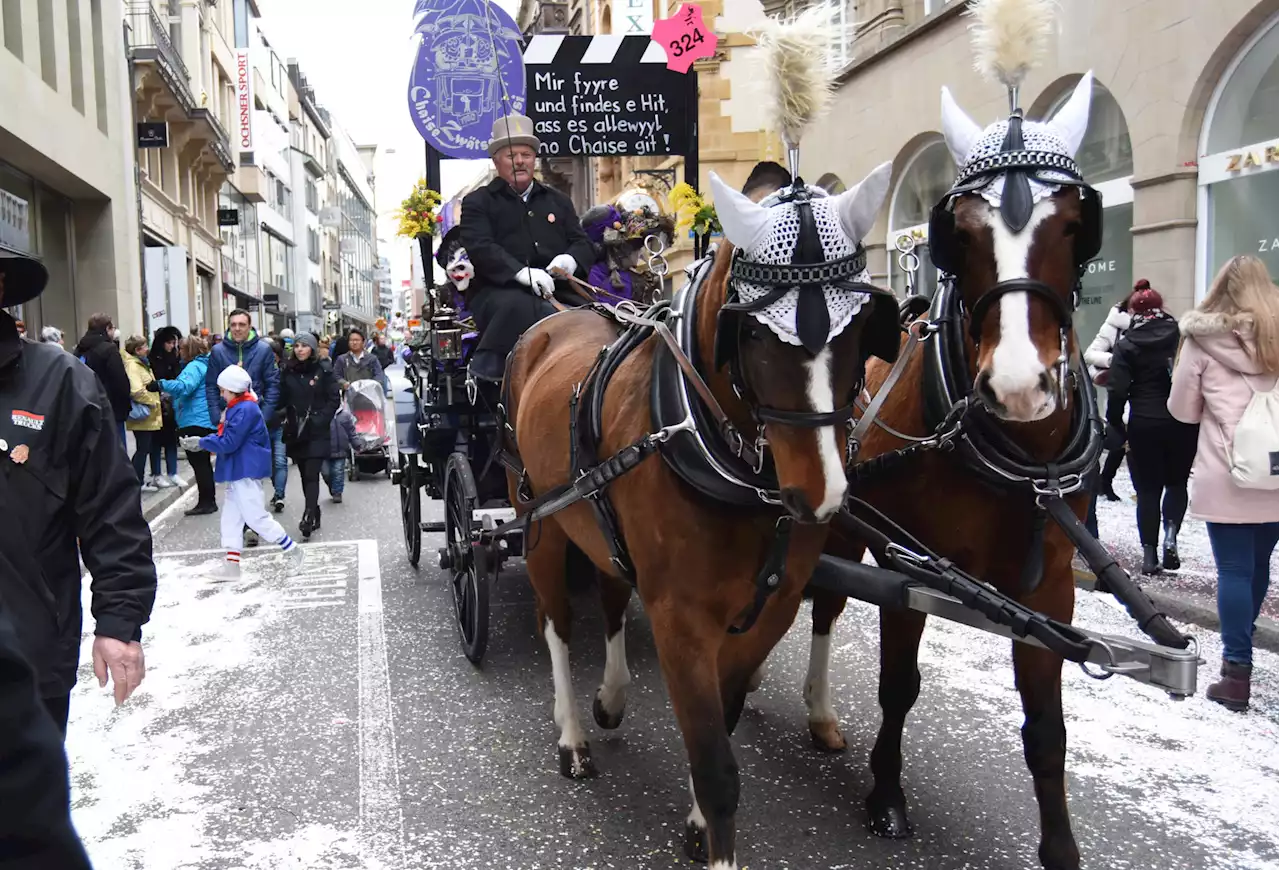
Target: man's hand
(563,266)
(125,663)
(538,281)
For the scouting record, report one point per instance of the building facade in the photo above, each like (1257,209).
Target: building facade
(356,237)
(311,158)
(1182,138)
(68,193)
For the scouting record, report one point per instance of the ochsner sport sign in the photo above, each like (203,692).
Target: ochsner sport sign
(244,99)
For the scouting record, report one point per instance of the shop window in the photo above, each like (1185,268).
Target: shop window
(926,179)
(1238,163)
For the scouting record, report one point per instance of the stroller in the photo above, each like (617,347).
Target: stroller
(370,449)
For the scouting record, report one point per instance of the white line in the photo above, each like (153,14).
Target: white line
(326,594)
(654,54)
(542,49)
(312,606)
(381,816)
(184,501)
(602,49)
(248,553)
(341,584)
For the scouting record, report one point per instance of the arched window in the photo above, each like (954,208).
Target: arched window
(1105,158)
(1239,155)
(929,174)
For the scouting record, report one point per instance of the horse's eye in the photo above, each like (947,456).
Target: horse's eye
(756,331)
(1071,228)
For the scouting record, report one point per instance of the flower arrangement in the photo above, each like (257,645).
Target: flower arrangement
(418,212)
(694,212)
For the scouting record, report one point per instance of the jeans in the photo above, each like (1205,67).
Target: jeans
(334,470)
(142,450)
(201,466)
(279,463)
(169,442)
(1242,552)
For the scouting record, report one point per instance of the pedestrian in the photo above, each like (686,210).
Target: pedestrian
(244,460)
(191,410)
(325,344)
(145,417)
(279,459)
(165,363)
(51,335)
(35,791)
(241,346)
(309,394)
(1098,359)
(357,364)
(98,349)
(65,480)
(1161,448)
(1226,372)
(382,350)
(341,433)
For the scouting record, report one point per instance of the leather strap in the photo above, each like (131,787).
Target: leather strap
(873,410)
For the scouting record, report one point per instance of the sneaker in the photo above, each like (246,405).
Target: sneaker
(250,538)
(162,482)
(336,498)
(177,481)
(277,504)
(295,559)
(225,571)
(148,486)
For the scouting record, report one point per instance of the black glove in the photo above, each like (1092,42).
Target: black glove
(154,387)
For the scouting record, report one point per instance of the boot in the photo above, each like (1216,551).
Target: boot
(1108,491)
(1232,691)
(1171,560)
(201,509)
(306,526)
(1150,564)
(315,519)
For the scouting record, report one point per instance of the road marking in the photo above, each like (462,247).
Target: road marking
(312,605)
(162,521)
(381,816)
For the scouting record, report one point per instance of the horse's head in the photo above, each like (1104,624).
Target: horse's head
(793,326)
(1014,232)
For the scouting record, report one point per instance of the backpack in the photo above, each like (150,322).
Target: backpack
(1254,452)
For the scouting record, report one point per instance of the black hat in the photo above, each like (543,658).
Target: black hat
(451,241)
(24,279)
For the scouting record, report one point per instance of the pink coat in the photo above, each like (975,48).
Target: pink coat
(1210,388)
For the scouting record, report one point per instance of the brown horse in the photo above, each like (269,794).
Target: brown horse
(697,562)
(1013,353)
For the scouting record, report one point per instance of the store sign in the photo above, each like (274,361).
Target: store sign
(228,217)
(1253,158)
(331,217)
(244,99)
(153,134)
(632,17)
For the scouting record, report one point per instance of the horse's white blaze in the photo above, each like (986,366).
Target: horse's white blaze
(613,689)
(822,399)
(1015,364)
(564,712)
(817,683)
(696,818)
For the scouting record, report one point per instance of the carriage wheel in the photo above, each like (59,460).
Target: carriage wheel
(470,584)
(411,508)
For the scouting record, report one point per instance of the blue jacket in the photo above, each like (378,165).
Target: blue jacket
(190,401)
(258,359)
(341,431)
(244,448)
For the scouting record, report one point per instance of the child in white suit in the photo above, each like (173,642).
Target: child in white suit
(243,449)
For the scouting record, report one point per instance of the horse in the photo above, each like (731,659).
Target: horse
(719,571)
(1011,300)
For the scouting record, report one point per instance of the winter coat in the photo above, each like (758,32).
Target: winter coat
(384,353)
(1141,366)
(190,404)
(367,368)
(102,356)
(139,376)
(1213,382)
(165,365)
(254,356)
(1098,355)
(65,479)
(309,395)
(244,447)
(341,432)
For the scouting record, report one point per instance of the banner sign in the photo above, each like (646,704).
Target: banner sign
(153,134)
(467,73)
(244,100)
(606,95)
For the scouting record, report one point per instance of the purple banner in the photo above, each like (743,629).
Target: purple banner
(468,72)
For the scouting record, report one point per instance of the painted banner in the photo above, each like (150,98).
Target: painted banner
(244,100)
(467,73)
(606,95)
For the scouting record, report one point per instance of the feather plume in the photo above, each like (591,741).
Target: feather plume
(799,69)
(1009,37)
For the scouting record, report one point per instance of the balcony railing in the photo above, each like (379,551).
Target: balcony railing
(149,40)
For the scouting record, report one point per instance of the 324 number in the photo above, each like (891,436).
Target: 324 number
(686,42)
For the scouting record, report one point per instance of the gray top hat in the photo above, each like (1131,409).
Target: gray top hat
(512,130)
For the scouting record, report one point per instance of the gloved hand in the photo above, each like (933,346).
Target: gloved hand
(190,443)
(563,266)
(537,280)
(154,386)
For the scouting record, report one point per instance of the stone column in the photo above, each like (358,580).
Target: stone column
(879,23)
(1164,235)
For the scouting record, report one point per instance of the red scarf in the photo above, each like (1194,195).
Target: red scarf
(246,396)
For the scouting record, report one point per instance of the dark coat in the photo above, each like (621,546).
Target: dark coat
(1142,370)
(384,354)
(257,358)
(341,433)
(72,482)
(345,368)
(309,395)
(102,356)
(503,234)
(165,366)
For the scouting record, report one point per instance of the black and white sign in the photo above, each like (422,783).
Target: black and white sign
(153,134)
(606,95)
(228,217)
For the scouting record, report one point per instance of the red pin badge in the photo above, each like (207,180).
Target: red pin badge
(684,37)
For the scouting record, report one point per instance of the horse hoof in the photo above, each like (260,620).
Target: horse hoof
(603,717)
(889,822)
(575,762)
(826,737)
(695,843)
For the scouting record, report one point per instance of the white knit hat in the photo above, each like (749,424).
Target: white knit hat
(235,380)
